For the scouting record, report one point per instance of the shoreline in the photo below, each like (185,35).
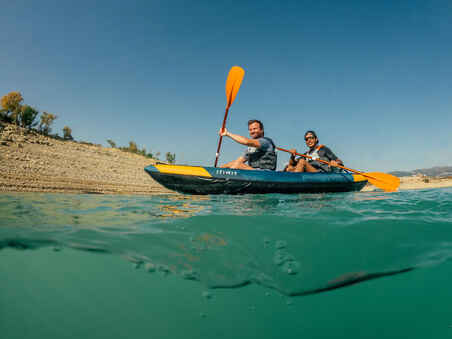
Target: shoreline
(31,162)
(416,183)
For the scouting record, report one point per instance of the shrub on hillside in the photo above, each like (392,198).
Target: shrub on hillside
(13,111)
(47,120)
(27,116)
(133,148)
(112,143)
(67,133)
(171,157)
(11,105)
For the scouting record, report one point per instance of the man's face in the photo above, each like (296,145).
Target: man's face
(255,130)
(310,139)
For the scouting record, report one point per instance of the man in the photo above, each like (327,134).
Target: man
(316,151)
(261,150)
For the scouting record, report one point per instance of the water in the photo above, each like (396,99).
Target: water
(352,265)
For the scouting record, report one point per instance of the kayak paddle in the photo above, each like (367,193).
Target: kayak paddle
(386,182)
(233,83)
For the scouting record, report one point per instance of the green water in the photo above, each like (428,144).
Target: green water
(354,265)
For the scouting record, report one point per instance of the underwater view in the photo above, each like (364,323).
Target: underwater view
(343,265)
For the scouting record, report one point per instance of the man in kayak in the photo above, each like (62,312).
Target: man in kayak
(261,150)
(316,151)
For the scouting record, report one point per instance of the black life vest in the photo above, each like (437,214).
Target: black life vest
(263,159)
(320,154)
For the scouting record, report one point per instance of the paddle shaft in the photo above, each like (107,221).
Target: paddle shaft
(326,162)
(221,137)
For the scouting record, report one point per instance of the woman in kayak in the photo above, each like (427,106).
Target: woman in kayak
(316,151)
(261,150)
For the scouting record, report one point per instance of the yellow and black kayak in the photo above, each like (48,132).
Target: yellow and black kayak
(215,180)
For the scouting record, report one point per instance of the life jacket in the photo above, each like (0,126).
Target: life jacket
(263,159)
(317,154)
(314,154)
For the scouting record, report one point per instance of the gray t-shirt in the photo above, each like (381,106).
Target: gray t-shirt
(266,145)
(325,154)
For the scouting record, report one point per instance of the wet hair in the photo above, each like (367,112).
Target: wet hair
(311,132)
(261,125)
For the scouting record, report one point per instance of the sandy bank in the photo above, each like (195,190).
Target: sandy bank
(30,162)
(420,182)
(417,182)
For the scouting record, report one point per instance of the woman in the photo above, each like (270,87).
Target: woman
(316,152)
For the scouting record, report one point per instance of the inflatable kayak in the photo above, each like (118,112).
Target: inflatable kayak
(215,180)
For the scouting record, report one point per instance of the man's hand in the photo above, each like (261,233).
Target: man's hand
(223,132)
(293,151)
(238,138)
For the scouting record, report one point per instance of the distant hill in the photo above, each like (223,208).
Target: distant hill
(438,171)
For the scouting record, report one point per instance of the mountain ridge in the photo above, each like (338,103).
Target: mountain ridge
(436,171)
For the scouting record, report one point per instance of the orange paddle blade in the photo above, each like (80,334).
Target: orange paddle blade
(233,83)
(386,182)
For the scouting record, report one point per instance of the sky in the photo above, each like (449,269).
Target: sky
(372,78)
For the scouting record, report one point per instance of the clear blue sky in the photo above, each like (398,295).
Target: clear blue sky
(372,78)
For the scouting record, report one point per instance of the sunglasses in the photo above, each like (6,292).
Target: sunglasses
(307,138)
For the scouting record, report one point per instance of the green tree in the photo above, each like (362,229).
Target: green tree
(27,116)
(67,133)
(171,157)
(112,143)
(11,105)
(47,120)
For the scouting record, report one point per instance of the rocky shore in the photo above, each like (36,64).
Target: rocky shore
(31,162)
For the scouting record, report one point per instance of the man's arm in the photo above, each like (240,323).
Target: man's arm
(240,139)
(334,160)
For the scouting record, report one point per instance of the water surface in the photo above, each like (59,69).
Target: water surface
(346,265)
